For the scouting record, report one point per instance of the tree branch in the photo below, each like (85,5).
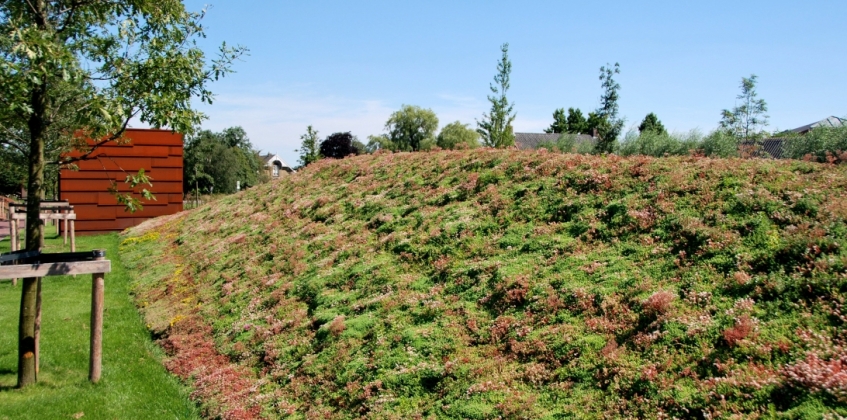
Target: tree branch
(87,156)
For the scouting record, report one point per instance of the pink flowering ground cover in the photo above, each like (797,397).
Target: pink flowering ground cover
(504,284)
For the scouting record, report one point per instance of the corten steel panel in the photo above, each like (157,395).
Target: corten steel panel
(144,137)
(132,151)
(165,174)
(76,198)
(94,212)
(158,152)
(148,211)
(165,187)
(99,225)
(156,174)
(168,162)
(82,185)
(153,137)
(100,150)
(107,225)
(67,174)
(107,199)
(116,164)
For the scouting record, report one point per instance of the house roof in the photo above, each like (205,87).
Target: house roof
(270,158)
(827,122)
(528,141)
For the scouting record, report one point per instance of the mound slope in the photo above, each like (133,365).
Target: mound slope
(478,284)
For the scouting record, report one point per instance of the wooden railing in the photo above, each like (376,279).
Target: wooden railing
(4,207)
(34,265)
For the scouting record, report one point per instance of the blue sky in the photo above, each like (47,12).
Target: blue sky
(346,65)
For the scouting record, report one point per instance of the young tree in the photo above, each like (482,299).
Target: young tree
(608,109)
(338,146)
(309,152)
(410,127)
(457,136)
(496,126)
(560,122)
(71,69)
(652,124)
(746,121)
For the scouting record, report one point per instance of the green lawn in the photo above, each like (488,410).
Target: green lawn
(134,382)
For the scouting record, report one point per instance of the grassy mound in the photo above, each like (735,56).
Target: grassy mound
(478,284)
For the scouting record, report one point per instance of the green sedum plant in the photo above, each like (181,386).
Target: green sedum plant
(515,284)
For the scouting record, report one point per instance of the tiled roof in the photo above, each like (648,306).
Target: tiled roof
(827,122)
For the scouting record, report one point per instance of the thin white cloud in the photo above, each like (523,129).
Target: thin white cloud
(275,123)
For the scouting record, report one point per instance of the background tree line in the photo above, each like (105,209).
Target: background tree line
(409,129)
(218,162)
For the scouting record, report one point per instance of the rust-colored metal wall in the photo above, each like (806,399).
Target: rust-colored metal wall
(159,152)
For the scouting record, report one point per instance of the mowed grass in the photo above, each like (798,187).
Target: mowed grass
(134,384)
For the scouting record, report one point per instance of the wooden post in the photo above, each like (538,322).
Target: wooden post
(37,335)
(73,237)
(13,239)
(65,241)
(95,361)
(13,233)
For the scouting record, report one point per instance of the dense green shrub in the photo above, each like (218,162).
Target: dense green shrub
(720,144)
(658,144)
(821,144)
(566,143)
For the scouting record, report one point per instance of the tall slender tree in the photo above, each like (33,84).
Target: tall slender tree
(310,147)
(746,121)
(71,69)
(496,126)
(608,109)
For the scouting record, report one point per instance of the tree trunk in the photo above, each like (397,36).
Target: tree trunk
(26,333)
(27,346)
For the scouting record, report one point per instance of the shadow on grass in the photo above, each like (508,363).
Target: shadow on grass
(9,373)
